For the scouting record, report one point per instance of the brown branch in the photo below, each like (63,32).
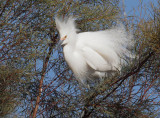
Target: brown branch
(45,64)
(7,2)
(132,72)
(135,70)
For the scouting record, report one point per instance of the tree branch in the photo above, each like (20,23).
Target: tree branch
(45,64)
(7,2)
(133,71)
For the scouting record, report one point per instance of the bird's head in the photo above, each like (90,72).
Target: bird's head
(67,30)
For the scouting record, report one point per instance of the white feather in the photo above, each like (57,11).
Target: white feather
(90,54)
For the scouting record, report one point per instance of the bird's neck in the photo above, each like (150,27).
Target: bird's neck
(72,40)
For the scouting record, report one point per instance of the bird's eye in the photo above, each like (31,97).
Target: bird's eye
(65,37)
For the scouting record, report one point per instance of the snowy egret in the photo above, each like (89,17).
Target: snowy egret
(92,54)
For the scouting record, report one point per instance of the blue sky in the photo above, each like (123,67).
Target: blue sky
(133,4)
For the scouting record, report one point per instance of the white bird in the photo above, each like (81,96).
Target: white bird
(92,54)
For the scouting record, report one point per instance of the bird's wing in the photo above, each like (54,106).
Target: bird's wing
(95,60)
(106,44)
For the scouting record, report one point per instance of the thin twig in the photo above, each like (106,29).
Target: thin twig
(133,71)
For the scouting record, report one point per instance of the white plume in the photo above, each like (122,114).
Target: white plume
(92,54)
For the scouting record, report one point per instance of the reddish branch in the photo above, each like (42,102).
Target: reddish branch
(45,64)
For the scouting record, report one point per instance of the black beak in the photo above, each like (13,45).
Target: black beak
(59,44)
